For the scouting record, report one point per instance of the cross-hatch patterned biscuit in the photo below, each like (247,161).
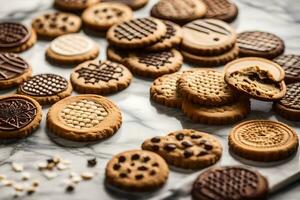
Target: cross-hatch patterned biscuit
(292,97)
(291,65)
(13,34)
(221,9)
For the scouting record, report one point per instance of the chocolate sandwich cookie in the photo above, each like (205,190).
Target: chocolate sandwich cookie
(15,37)
(154,64)
(224,10)
(71,49)
(19,116)
(137,171)
(13,70)
(179,11)
(46,88)
(260,44)
(100,77)
(102,16)
(84,118)
(230,183)
(289,106)
(134,4)
(256,77)
(263,140)
(291,65)
(136,33)
(116,55)
(54,24)
(187,148)
(74,5)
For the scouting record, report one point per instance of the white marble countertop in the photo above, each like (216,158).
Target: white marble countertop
(141,118)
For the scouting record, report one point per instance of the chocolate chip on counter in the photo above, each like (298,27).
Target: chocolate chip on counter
(135,157)
(155,139)
(155,147)
(202,153)
(179,136)
(139,176)
(187,153)
(116,166)
(187,144)
(170,147)
(122,159)
(143,168)
(92,162)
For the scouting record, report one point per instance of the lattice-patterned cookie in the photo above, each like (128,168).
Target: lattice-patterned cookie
(137,170)
(256,77)
(19,116)
(154,64)
(263,140)
(84,118)
(100,77)
(224,10)
(233,182)
(205,87)
(46,88)
(104,15)
(74,5)
(260,44)
(134,4)
(187,148)
(136,33)
(291,65)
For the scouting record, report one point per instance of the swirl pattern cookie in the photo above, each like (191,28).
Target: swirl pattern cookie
(224,10)
(263,140)
(74,5)
(84,118)
(291,65)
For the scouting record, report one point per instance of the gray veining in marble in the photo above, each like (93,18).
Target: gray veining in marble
(141,117)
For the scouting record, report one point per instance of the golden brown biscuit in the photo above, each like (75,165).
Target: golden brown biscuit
(74,5)
(134,4)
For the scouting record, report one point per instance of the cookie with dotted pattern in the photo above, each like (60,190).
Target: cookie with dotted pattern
(187,148)
(133,4)
(289,106)
(50,25)
(230,182)
(46,88)
(154,64)
(205,87)
(71,49)
(291,65)
(137,170)
(116,55)
(84,118)
(100,77)
(136,33)
(19,116)
(224,10)
(263,140)
(260,44)
(257,78)
(13,70)
(74,5)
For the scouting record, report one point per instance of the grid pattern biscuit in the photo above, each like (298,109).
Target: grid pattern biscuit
(13,70)
(54,24)
(84,118)
(186,148)
(137,170)
(74,5)
(263,140)
(233,182)
(224,10)
(291,65)
(100,77)
(205,87)
(260,44)
(46,88)
(134,4)
(19,116)
(136,33)
(104,15)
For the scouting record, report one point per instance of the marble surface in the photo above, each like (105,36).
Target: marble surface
(142,118)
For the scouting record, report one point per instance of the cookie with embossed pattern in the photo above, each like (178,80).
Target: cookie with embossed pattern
(46,88)
(224,10)
(74,5)
(136,33)
(84,118)
(19,116)
(100,77)
(291,65)
(154,64)
(116,55)
(134,4)
(263,140)
(187,148)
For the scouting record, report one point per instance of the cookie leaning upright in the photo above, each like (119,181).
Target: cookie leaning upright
(84,118)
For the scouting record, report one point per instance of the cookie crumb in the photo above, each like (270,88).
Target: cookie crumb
(92,162)
(61,166)
(50,175)
(2,177)
(87,175)
(17,167)
(7,183)
(18,187)
(31,190)
(35,183)
(25,176)
(42,166)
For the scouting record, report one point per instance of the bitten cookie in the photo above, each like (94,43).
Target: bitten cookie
(84,118)
(137,170)
(291,65)
(263,140)
(54,24)
(256,77)
(134,4)
(187,148)
(116,55)
(289,106)
(74,5)
(224,10)
(71,49)
(234,182)
(16,37)
(19,116)
(46,88)
(154,64)
(100,77)
(260,44)
(205,87)
(136,33)
(13,70)
(217,115)
(104,15)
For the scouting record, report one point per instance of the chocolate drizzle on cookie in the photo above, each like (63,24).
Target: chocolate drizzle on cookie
(11,66)
(13,34)
(156,59)
(208,27)
(292,97)
(291,65)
